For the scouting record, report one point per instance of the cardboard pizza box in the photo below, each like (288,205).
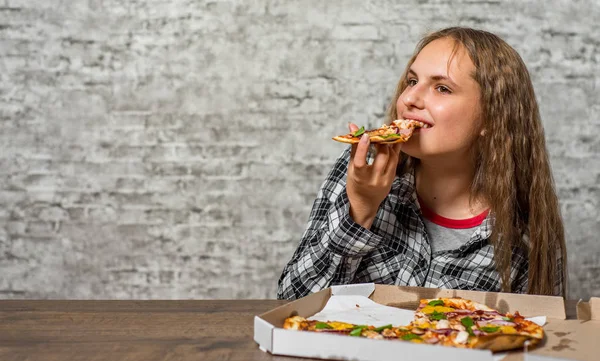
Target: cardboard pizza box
(565,339)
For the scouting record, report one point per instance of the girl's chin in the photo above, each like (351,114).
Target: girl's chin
(412,152)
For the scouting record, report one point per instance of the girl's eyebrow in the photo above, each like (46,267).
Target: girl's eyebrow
(437,78)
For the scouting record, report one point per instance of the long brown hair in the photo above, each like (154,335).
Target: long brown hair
(512,168)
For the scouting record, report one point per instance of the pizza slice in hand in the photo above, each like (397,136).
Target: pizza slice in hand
(399,131)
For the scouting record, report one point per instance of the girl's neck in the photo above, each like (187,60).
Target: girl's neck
(445,187)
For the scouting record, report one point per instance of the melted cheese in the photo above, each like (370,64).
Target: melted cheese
(424,324)
(431,309)
(339,325)
(462,337)
(508,329)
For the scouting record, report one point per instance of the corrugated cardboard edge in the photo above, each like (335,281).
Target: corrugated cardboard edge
(263,334)
(589,310)
(357,289)
(294,343)
(310,305)
(409,297)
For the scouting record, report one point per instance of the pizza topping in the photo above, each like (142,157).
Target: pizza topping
(359,132)
(389,333)
(508,329)
(409,123)
(436,303)
(442,324)
(454,314)
(296,323)
(322,325)
(501,323)
(432,340)
(393,135)
(372,334)
(444,331)
(334,331)
(410,336)
(357,331)
(468,323)
(489,329)
(437,316)
(418,331)
(464,312)
(431,309)
(462,337)
(379,329)
(487,313)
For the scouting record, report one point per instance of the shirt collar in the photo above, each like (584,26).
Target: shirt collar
(403,187)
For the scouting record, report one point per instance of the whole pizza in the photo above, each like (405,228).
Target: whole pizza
(453,322)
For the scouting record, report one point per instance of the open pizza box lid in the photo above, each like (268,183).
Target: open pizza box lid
(574,339)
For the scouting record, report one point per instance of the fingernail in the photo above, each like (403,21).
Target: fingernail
(364,139)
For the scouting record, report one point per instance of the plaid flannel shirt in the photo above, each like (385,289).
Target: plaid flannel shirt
(396,250)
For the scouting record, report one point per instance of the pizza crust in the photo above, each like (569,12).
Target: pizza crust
(502,342)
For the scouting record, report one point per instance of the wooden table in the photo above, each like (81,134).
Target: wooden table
(135,330)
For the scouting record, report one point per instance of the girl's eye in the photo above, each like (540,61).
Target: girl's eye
(443,89)
(411,82)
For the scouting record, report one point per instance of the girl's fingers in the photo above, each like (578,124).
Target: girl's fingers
(394,158)
(381,159)
(359,158)
(353,128)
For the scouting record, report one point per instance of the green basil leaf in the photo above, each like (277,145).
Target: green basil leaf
(436,303)
(467,321)
(322,325)
(357,331)
(437,316)
(489,329)
(385,136)
(410,336)
(359,132)
(379,329)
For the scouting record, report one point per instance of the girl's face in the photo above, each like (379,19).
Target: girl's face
(441,91)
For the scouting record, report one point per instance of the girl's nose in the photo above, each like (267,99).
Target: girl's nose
(413,97)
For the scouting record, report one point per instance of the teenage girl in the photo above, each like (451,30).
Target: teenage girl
(468,203)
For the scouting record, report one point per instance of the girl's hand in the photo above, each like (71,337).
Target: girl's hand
(368,185)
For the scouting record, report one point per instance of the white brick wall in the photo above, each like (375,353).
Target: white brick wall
(145,150)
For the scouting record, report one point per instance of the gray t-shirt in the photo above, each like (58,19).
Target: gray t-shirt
(445,239)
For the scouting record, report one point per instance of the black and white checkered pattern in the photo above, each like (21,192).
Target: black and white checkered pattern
(335,250)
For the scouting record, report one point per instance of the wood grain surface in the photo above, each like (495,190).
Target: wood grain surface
(135,330)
